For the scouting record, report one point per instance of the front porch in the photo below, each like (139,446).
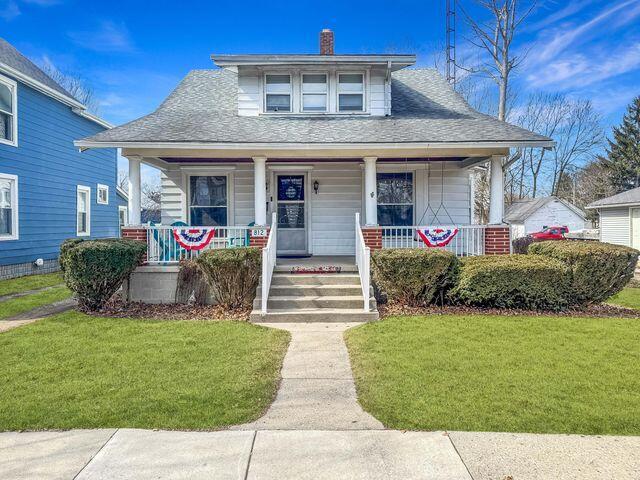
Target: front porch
(315,213)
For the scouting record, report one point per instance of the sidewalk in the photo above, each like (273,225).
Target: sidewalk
(315,429)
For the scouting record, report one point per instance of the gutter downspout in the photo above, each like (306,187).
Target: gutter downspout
(387,90)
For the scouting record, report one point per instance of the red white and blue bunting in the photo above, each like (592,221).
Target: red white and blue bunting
(193,238)
(436,236)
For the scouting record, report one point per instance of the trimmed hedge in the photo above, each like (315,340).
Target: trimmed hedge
(413,277)
(191,283)
(233,274)
(596,270)
(95,269)
(512,281)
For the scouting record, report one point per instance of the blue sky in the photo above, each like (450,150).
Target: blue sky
(133,53)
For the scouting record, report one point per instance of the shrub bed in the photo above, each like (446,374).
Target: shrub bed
(512,281)
(233,274)
(95,269)
(413,277)
(596,270)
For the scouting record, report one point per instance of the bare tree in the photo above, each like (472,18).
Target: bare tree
(495,37)
(75,84)
(151,196)
(578,140)
(123,180)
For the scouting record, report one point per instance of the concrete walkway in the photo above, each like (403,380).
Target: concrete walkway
(280,454)
(317,390)
(36,314)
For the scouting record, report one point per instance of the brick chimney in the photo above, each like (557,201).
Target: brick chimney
(326,42)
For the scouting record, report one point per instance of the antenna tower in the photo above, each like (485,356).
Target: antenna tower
(451,41)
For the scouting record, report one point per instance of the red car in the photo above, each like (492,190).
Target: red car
(551,233)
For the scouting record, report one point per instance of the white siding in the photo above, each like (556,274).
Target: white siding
(243,192)
(614,225)
(456,207)
(376,93)
(554,213)
(173,196)
(249,96)
(333,209)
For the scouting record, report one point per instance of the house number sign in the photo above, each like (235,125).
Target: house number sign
(258,232)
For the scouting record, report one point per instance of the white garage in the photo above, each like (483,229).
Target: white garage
(620,218)
(532,215)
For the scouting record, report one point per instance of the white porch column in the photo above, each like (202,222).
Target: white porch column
(370,191)
(135,192)
(260,189)
(496,199)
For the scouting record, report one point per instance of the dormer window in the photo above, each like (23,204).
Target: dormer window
(277,93)
(314,92)
(350,92)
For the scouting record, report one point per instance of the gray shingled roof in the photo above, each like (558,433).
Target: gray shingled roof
(629,197)
(14,59)
(203,108)
(520,210)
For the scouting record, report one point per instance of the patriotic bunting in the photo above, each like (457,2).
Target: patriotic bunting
(436,236)
(193,238)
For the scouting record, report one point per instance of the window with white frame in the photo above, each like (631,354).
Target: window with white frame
(350,92)
(83,211)
(8,207)
(277,92)
(102,195)
(8,114)
(208,200)
(314,92)
(395,199)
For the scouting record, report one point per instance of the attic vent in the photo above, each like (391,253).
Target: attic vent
(326,42)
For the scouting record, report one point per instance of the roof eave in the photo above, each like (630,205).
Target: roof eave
(86,144)
(612,205)
(397,61)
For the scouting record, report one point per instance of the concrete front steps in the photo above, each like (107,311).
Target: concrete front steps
(314,297)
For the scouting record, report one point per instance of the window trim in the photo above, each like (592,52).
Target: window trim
(363,93)
(87,190)
(230,192)
(413,192)
(13,87)
(15,234)
(265,93)
(99,187)
(325,93)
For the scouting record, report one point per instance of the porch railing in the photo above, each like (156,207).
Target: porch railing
(268,263)
(162,246)
(468,242)
(363,261)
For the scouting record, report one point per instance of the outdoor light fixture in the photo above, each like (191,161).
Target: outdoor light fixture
(316,185)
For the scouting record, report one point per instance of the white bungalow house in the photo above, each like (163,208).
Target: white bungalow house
(533,214)
(345,152)
(620,218)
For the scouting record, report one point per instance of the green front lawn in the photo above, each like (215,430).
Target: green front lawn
(498,373)
(78,371)
(31,282)
(15,306)
(629,297)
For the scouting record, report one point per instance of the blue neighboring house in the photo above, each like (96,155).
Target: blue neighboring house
(48,190)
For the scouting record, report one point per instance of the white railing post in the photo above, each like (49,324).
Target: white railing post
(363,261)
(268,264)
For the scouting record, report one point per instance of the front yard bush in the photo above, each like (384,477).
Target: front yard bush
(512,281)
(95,269)
(596,270)
(521,244)
(233,274)
(413,277)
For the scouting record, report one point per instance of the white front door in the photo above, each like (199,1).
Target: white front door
(635,228)
(291,208)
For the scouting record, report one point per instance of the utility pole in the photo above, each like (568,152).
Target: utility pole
(450,33)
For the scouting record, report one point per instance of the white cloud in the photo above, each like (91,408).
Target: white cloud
(9,10)
(579,70)
(108,37)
